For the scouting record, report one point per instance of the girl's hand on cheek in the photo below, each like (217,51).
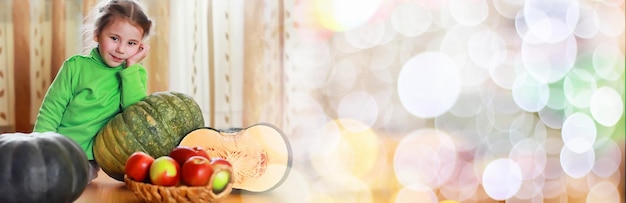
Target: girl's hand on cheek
(143,51)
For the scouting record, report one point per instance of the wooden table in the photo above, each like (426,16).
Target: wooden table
(105,189)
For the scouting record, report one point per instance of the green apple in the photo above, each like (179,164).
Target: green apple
(222,172)
(220,181)
(165,171)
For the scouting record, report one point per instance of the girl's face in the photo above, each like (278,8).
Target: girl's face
(118,41)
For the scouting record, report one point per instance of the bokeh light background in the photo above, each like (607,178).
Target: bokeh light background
(455,100)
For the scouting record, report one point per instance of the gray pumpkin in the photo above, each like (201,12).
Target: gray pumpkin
(41,167)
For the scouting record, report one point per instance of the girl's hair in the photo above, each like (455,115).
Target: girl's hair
(108,10)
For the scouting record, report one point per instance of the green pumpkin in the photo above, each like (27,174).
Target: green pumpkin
(154,125)
(41,167)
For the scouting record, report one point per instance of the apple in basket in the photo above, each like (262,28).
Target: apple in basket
(138,165)
(222,169)
(197,171)
(165,171)
(181,153)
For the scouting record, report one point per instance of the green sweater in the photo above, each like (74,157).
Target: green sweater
(86,94)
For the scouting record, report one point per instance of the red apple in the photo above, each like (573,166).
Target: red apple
(220,161)
(165,171)
(223,171)
(138,165)
(197,171)
(182,153)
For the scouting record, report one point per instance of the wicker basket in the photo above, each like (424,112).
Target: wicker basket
(179,194)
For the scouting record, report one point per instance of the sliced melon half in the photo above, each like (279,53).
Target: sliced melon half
(260,154)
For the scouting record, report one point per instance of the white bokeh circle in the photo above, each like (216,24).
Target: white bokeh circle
(429,84)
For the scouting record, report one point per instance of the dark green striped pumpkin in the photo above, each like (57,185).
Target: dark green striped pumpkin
(154,125)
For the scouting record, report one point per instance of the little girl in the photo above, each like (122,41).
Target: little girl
(89,90)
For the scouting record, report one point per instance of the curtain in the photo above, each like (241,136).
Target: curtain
(206,54)
(264,98)
(7,103)
(37,36)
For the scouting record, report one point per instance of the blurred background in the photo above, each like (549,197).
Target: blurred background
(382,100)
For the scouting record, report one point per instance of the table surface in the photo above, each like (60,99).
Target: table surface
(106,189)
